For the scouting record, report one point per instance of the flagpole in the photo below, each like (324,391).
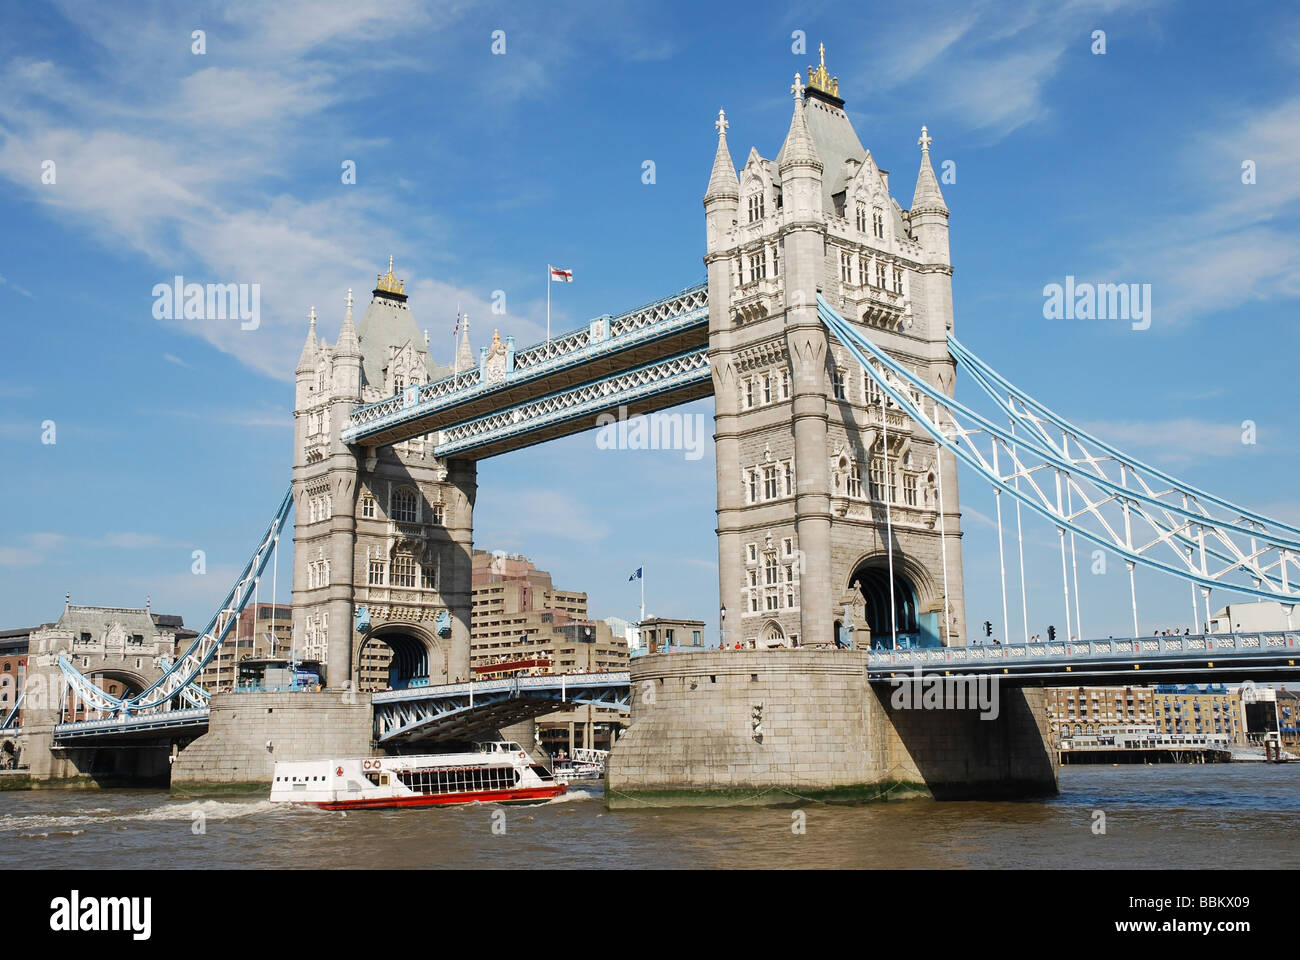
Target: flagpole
(548,303)
(643,593)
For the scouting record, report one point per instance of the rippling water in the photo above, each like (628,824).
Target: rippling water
(1159,816)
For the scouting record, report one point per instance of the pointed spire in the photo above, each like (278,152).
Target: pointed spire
(799,149)
(348,344)
(464,356)
(723,183)
(927,197)
(310,349)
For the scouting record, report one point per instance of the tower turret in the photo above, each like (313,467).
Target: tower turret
(722,198)
(347,358)
(721,207)
(805,338)
(464,355)
(798,154)
(929,212)
(305,372)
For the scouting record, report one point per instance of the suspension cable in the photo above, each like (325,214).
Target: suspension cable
(889,522)
(1020,538)
(1002,558)
(275,586)
(943,542)
(1060,532)
(1074,562)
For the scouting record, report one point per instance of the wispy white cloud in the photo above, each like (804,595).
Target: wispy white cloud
(192,173)
(176,360)
(22,291)
(1176,442)
(986,65)
(1233,244)
(545,513)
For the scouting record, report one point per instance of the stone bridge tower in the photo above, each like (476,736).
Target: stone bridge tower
(122,650)
(803,466)
(382,537)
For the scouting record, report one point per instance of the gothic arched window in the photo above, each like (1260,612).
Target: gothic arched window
(405,505)
(402,573)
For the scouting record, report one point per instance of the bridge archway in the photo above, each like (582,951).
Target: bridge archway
(418,658)
(114,680)
(915,624)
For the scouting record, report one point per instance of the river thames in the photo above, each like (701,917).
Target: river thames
(1168,816)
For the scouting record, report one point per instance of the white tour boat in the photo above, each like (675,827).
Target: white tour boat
(499,772)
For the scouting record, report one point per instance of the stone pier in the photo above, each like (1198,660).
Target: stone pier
(249,732)
(773,726)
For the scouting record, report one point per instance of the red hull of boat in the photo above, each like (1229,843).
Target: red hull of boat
(528,794)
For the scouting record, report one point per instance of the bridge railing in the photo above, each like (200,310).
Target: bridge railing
(446,388)
(168,718)
(1220,644)
(683,302)
(553,349)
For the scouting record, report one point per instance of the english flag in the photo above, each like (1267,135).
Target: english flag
(561,276)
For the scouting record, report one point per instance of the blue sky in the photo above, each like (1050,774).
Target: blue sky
(475,170)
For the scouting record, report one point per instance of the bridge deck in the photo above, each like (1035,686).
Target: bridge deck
(1201,658)
(606,348)
(460,711)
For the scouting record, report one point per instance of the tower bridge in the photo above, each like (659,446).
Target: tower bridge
(826,335)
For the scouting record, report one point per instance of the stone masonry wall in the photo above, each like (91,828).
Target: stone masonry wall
(822,730)
(298,726)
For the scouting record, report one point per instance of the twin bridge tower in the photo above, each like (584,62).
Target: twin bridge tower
(830,522)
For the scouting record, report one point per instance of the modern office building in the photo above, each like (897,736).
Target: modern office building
(521,624)
(262,631)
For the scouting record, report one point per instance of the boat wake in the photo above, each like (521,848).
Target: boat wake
(592,792)
(59,824)
(207,809)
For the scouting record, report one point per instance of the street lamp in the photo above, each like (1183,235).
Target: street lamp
(722,627)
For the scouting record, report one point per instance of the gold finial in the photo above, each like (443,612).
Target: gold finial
(820,79)
(496,338)
(389,283)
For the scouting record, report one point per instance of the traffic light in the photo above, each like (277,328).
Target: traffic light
(988,629)
(1051,634)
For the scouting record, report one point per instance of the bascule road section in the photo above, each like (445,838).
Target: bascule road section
(642,360)
(463,711)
